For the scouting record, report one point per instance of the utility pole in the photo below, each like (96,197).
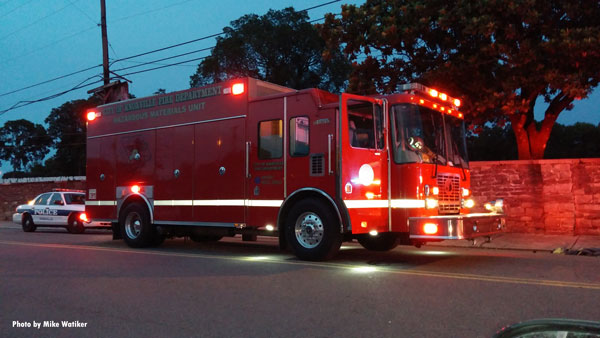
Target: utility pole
(104,42)
(109,92)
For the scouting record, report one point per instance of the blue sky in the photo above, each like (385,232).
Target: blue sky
(43,39)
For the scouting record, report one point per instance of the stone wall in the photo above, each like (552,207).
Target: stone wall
(543,196)
(19,191)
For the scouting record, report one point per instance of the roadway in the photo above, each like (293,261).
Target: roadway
(251,289)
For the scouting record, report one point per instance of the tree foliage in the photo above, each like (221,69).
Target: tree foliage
(282,47)
(497,143)
(499,56)
(23,143)
(67,128)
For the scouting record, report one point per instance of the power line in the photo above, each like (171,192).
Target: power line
(163,59)
(14,9)
(48,81)
(165,66)
(36,21)
(152,51)
(81,85)
(24,103)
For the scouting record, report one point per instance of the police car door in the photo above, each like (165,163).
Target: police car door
(58,211)
(40,208)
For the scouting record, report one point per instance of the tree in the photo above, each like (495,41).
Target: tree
(580,140)
(500,56)
(23,143)
(492,142)
(67,128)
(282,47)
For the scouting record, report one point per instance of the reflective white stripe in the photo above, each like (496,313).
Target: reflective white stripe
(408,204)
(264,203)
(101,203)
(365,204)
(173,203)
(401,204)
(218,203)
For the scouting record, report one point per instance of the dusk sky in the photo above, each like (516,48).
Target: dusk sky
(41,40)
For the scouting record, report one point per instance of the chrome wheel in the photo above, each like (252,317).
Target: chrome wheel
(133,225)
(309,230)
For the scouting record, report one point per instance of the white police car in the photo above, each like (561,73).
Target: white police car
(59,208)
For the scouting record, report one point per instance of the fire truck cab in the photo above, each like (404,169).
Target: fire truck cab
(313,168)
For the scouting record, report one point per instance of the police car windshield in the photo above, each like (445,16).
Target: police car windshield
(75,198)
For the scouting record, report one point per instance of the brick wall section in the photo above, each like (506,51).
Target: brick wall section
(543,196)
(15,192)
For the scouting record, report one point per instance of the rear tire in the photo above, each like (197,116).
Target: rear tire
(27,224)
(136,229)
(381,242)
(75,225)
(312,231)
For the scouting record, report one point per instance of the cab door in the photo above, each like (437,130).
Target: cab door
(266,153)
(364,161)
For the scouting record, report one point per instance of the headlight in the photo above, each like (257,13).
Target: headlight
(431,203)
(366,175)
(469,203)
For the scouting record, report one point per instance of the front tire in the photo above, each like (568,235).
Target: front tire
(381,242)
(75,225)
(312,231)
(136,229)
(27,224)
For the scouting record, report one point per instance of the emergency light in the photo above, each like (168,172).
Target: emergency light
(235,89)
(419,88)
(430,228)
(91,116)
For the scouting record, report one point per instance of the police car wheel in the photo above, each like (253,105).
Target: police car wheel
(312,232)
(136,229)
(75,226)
(381,242)
(27,224)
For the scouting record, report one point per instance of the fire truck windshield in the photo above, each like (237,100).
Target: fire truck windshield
(418,136)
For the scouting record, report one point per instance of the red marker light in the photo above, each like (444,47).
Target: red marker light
(430,228)
(433,93)
(237,89)
(91,116)
(83,217)
(443,97)
(457,102)
(135,189)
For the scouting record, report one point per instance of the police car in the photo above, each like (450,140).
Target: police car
(59,208)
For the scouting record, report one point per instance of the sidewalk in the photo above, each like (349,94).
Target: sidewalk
(531,242)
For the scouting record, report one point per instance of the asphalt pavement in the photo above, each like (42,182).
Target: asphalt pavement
(559,244)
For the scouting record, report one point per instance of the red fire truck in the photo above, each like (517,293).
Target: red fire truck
(313,168)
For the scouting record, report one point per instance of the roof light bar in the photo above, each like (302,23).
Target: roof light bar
(417,87)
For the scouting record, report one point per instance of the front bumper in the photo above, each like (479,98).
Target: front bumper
(98,224)
(17,217)
(456,226)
